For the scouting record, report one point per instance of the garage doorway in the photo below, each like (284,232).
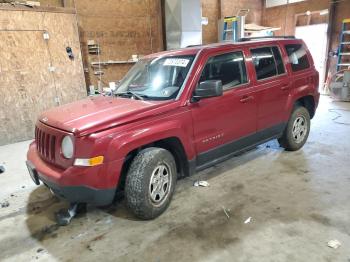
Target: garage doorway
(315,37)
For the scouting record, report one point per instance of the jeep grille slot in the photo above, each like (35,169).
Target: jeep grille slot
(46,144)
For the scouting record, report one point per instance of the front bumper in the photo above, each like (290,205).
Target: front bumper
(93,185)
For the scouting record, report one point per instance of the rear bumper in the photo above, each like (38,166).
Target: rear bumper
(93,185)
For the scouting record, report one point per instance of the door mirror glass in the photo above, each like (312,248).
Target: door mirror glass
(209,88)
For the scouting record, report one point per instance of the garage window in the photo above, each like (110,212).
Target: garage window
(229,68)
(297,57)
(267,62)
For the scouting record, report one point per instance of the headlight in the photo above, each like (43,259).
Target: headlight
(67,147)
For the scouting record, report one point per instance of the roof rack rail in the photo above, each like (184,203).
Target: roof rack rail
(192,46)
(244,39)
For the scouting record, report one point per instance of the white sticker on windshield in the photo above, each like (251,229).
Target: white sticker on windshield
(176,62)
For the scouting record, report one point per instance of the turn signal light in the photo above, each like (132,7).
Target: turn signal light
(95,161)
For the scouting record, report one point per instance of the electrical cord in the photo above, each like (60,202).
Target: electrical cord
(335,110)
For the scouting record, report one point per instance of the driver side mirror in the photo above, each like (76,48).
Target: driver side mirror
(209,88)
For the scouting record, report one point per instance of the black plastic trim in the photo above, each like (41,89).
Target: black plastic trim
(32,172)
(192,166)
(81,194)
(223,152)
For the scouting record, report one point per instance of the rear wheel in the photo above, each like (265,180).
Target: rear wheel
(150,182)
(297,129)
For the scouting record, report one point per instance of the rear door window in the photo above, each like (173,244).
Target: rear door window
(297,57)
(229,68)
(267,62)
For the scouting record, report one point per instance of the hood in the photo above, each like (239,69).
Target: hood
(96,113)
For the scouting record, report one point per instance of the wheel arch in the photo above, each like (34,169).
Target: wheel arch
(308,102)
(173,144)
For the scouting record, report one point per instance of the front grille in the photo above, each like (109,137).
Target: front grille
(46,144)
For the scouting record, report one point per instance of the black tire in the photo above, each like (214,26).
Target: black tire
(138,187)
(289,140)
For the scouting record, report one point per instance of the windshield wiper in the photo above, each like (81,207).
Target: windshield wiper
(130,93)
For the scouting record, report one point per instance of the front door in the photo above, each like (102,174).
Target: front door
(221,123)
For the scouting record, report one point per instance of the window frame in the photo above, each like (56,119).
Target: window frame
(306,53)
(225,53)
(282,57)
(194,63)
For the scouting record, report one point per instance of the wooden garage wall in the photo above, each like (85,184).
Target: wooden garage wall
(36,74)
(126,27)
(341,11)
(216,9)
(121,28)
(275,16)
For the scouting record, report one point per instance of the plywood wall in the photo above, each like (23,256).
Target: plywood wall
(342,11)
(126,27)
(284,17)
(121,28)
(255,7)
(216,9)
(36,74)
(211,9)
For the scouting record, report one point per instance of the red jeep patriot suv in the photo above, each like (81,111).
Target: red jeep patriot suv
(173,113)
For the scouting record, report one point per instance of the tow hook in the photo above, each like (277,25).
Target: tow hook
(64,216)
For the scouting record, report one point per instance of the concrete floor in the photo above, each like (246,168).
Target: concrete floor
(297,202)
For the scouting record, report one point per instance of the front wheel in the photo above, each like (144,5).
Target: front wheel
(297,130)
(150,182)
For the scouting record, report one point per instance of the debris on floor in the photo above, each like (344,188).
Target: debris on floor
(334,243)
(40,250)
(226,211)
(201,183)
(2,169)
(248,220)
(64,216)
(4,204)
(339,115)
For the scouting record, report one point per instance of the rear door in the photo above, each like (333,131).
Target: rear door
(221,122)
(272,88)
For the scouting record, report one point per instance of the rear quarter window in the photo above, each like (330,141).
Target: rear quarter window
(297,57)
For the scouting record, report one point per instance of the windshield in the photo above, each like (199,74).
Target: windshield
(156,79)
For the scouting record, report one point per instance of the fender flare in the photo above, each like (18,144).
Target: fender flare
(294,96)
(124,143)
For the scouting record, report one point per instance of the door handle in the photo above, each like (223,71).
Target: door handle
(245,99)
(285,87)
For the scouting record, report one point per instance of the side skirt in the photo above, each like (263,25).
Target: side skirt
(226,151)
